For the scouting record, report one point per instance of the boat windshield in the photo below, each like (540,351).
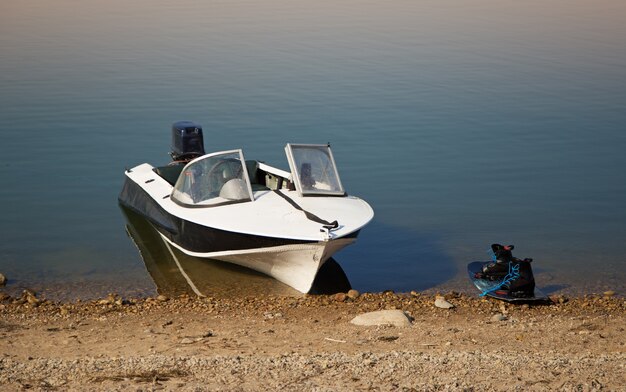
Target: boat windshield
(314,170)
(212,180)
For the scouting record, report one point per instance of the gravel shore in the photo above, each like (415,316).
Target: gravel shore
(308,343)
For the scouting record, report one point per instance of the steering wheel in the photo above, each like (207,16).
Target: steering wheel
(215,174)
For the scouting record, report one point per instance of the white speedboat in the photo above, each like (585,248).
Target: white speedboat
(175,273)
(285,224)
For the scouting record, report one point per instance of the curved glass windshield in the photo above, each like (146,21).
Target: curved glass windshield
(314,170)
(214,180)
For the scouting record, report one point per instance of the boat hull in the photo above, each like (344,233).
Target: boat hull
(296,265)
(291,261)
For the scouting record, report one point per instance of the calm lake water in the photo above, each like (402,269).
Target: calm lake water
(462,123)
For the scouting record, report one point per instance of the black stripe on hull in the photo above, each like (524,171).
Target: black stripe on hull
(192,236)
(136,199)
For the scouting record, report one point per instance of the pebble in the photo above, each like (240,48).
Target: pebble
(340,297)
(162,298)
(353,294)
(441,302)
(30,298)
(498,317)
(383,317)
(559,299)
(272,315)
(110,299)
(3,280)
(609,293)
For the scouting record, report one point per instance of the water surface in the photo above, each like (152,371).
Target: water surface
(463,123)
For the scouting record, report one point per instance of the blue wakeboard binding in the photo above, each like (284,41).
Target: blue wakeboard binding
(515,275)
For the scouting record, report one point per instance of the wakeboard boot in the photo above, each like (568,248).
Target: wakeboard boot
(524,285)
(499,268)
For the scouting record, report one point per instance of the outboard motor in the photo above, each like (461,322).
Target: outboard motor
(187,141)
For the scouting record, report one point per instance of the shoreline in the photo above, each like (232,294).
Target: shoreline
(81,292)
(308,343)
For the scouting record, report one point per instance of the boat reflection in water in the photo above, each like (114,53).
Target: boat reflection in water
(176,273)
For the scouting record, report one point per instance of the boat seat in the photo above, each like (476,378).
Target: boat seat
(253,172)
(169,173)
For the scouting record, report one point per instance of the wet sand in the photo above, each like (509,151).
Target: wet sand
(308,343)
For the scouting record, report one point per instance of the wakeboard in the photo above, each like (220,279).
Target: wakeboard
(486,286)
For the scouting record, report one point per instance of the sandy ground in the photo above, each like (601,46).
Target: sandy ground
(308,343)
